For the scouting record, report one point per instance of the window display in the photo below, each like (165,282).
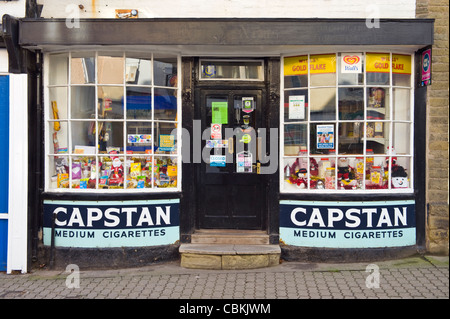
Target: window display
(112,121)
(351,124)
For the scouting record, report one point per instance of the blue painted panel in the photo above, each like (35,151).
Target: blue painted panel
(4,166)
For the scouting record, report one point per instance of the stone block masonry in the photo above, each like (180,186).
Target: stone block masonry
(437,168)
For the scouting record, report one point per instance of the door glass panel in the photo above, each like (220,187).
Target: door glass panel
(215,152)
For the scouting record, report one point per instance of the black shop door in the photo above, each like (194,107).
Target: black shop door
(230,186)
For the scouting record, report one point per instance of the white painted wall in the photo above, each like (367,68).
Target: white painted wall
(18,187)
(232,8)
(13,8)
(3,61)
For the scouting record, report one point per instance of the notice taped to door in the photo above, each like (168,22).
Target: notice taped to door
(244,162)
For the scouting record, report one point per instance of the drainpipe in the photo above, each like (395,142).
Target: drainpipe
(52,244)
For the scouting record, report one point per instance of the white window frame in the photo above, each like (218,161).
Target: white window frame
(336,122)
(48,120)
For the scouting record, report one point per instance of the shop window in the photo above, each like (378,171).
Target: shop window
(111,122)
(347,123)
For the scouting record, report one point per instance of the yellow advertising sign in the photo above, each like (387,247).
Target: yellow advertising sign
(401,64)
(322,63)
(296,65)
(378,62)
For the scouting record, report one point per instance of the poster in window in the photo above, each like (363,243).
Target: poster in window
(325,137)
(351,63)
(248,105)
(166,142)
(297,107)
(220,112)
(244,162)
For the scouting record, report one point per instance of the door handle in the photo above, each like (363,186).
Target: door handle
(231,145)
(257,167)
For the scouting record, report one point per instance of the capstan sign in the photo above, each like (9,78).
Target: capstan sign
(90,224)
(348,224)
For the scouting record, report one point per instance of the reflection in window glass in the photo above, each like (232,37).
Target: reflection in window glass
(83,137)
(401,136)
(322,69)
(323,104)
(110,70)
(110,102)
(378,103)
(377,136)
(351,103)
(350,138)
(82,68)
(165,71)
(82,102)
(402,108)
(59,69)
(139,103)
(295,139)
(138,71)
(165,104)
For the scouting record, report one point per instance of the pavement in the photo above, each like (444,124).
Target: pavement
(418,277)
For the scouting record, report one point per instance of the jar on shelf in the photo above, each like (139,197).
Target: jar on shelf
(323,165)
(330,178)
(376,176)
(369,160)
(359,168)
(303,159)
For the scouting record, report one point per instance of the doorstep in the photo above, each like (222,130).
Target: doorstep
(227,249)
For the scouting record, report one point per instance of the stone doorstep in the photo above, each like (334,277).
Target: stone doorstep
(229,236)
(215,256)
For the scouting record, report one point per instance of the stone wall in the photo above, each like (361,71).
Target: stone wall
(437,167)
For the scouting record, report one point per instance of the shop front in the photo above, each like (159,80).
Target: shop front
(306,131)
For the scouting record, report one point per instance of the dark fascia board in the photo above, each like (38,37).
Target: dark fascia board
(42,32)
